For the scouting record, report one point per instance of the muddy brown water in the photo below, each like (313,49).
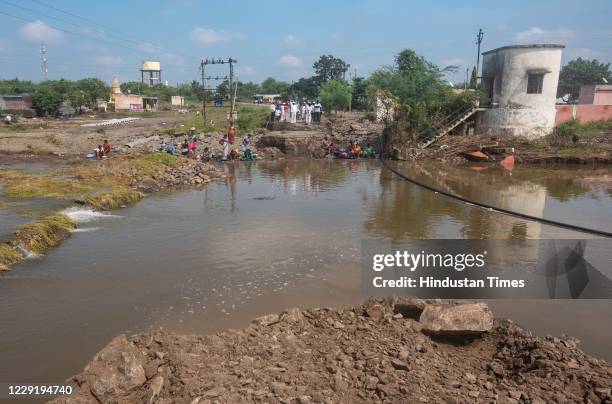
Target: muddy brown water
(275,235)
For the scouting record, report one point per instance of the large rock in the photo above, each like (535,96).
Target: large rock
(461,319)
(116,370)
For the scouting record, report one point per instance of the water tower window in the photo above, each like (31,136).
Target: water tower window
(534,83)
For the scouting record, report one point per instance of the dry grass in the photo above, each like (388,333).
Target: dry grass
(114,199)
(26,186)
(41,235)
(8,256)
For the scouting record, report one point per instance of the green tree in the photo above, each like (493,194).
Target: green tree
(246,91)
(223,89)
(272,86)
(359,93)
(16,86)
(305,88)
(335,95)
(329,68)
(46,101)
(77,99)
(424,99)
(579,72)
(94,89)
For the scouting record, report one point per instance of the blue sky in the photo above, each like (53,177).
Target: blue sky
(282,38)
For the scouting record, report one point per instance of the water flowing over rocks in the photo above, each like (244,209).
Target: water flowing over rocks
(367,353)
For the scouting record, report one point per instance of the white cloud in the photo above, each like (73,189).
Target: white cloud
(38,31)
(290,61)
(537,34)
(292,40)
(209,36)
(108,61)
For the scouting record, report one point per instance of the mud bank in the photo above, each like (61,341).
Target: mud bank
(381,351)
(117,182)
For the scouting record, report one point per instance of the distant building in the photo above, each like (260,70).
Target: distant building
(129,102)
(177,101)
(521,84)
(17,104)
(594,104)
(596,94)
(265,98)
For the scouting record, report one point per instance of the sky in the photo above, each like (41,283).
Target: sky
(281,39)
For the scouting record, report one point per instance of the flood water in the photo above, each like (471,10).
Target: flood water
(275,235)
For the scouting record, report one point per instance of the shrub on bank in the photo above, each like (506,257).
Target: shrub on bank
(114,199)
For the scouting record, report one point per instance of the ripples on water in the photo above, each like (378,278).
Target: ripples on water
(274,235)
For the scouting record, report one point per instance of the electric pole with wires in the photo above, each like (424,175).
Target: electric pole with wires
(478,42)
(205,79)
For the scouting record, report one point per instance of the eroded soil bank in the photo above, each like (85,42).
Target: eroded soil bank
(381,351)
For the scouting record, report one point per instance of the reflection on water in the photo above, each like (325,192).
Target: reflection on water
(273,235)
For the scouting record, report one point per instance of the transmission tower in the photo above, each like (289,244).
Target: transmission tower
(43,62)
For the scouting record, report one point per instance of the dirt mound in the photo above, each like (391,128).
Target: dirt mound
(376,352)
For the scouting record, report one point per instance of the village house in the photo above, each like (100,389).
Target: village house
(17,104)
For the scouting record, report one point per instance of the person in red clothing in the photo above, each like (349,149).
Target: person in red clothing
(106,147)
(231,133)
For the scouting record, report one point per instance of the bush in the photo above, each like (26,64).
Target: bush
(335,95)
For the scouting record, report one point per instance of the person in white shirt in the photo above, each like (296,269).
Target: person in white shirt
(308,114)
(294,111)
(272,112)
(303,112)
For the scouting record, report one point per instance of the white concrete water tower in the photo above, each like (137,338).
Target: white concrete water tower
(151,69)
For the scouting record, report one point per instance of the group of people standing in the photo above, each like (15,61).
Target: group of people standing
(292,111)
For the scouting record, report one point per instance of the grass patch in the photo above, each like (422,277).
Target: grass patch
(152,164)
(24,186)
(114,199)
(41,235)
(250,117)
(8,256)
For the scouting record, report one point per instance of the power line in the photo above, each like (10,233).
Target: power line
(69,32)
(83,34)
(69,22)
(88,20)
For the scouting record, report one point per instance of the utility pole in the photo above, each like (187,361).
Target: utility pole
(43,62)
(478,42)
(232,92)
(467,78)
(203,64)
(204,97)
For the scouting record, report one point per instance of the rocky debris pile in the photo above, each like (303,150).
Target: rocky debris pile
(361,131)
(188,172)
(381,351)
